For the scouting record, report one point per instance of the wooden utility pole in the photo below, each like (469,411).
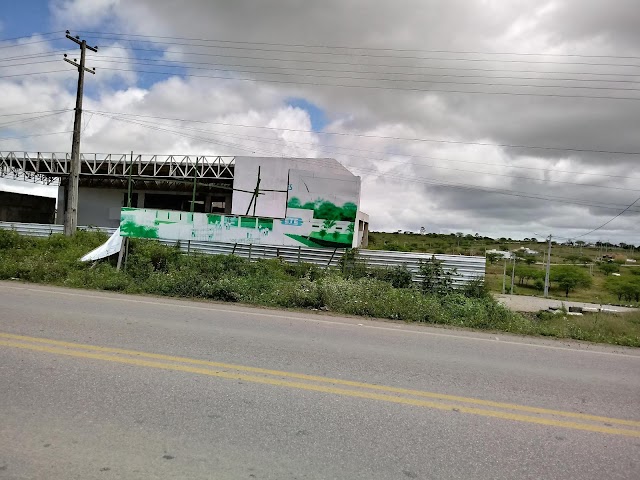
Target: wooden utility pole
(513,273)
(71,213)
(548,269)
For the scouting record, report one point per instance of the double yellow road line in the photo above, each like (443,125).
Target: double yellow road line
(417,398)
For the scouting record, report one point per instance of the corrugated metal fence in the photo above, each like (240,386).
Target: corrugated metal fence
(465,268)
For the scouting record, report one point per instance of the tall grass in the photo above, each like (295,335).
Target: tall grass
(156,269)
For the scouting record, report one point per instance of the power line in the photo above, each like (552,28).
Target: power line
(30,36)
(35,55)
(358,47)
(257,48)
(566,200)
(388,137)
(25,43)
(25,120)
(33,73)
(188,64)
(611,220)
(350,77)
(32,113)
(36,135)
(473,60)
(334,148)
(380,87)
(28,63)
(415,67)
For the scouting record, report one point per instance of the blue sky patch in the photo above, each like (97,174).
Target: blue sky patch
(316,114)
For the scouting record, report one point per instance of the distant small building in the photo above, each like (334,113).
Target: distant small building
(630,260)
(527,251)
(20,207)
(501,253)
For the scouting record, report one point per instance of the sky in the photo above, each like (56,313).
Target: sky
(509,119)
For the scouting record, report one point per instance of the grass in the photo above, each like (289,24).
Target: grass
(160,270)
(596,293)
(597,327)
(477,245)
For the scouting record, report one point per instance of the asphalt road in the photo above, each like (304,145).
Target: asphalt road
(107,386)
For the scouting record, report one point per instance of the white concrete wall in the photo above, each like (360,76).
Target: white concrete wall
(274,173)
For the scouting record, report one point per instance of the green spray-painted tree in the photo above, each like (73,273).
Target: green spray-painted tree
(294,202)
(327,224)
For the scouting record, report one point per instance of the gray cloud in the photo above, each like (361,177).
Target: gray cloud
(403,196)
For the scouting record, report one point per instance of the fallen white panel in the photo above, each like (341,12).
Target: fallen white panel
(110,247)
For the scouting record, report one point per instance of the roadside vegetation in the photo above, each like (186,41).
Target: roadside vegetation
(578,272)
(352,289)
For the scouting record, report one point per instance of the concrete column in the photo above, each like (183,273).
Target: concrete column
(227,204)
(61,205)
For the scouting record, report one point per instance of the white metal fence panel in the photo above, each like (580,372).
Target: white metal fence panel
(463,268)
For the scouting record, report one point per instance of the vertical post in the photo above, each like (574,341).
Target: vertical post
(121,255)
(195,180)
(504,277)
(513,273)
(129,181)
(299,252)
(193,199)
(546,275)
(126,253)
(250,252)
(71,216)
(125,248)
(254,197)
(257,192)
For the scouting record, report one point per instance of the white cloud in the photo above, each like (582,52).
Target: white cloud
(403,181)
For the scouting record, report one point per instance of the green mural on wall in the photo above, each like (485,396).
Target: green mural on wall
(301,228)
(325,210)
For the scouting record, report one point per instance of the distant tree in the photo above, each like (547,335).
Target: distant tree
(609,268)
(572,258)
(526,273)
(493,257)
(569,278)
(624,288)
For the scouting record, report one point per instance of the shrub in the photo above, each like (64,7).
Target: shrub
(609,268)
(9,239)
(434,278)
(476,288)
